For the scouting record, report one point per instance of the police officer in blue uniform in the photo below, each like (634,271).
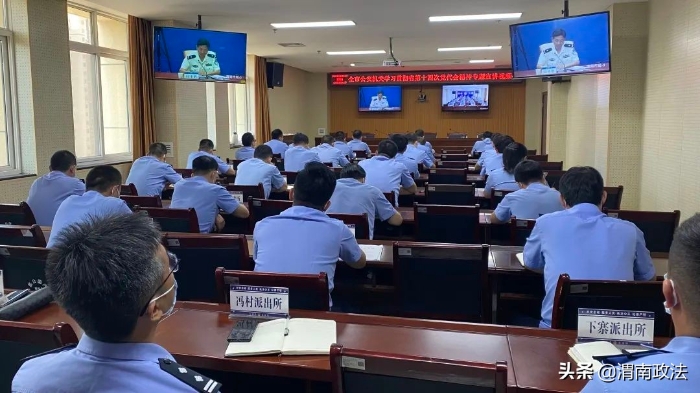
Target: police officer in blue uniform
(113,276)
(682,295)
(276,143)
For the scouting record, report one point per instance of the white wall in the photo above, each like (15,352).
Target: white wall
(533,114)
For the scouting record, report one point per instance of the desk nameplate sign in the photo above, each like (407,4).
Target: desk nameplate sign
(351,227)
(619,327)
(259,302)
(237,195)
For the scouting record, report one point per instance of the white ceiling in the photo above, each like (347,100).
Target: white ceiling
(415,39)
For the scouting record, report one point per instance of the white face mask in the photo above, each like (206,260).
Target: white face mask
(668,307)
(172,306)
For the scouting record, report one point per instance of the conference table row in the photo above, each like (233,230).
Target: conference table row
(196,335)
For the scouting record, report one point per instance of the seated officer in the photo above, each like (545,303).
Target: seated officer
(202,194)
(48,191)
(584,242)
(503,178)
(276,143)
(484,144)
(260,169)
(353,196)
(488,152)
(386,174)
(423,144)
(103,184)
(299,155)
(682,296)
(246,152)
(206,148)
(356,144)
(495,161)
(401,145)
(150,173)
(342,146)
(282,241)
(113,276)
(534,198)
(327,153)
(421,157)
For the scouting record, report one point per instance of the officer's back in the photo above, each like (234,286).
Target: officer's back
(341,145)
(276,143)
(297,156)
(115,279)
(410,163)
(385,173)
(150,173)
(329,154)
(674,366)
(49,191)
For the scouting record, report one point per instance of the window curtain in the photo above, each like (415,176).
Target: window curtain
(262,103)
(141,85)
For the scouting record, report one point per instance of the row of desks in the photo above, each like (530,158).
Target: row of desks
(196,335)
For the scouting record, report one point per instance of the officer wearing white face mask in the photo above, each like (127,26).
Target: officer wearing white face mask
(682,354)
(116,280)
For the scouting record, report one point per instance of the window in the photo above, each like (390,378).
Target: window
(9,137)
(211,111)
(100,85)
(239,115)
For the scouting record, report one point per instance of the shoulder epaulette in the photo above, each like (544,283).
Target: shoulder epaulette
(190,378)
(190,57)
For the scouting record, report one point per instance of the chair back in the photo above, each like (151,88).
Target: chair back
(456,135)
(520,230)
(452,164)
(128,189)
(391,197)
(531,152)
(22,235)
(497,196)
(200,255)
(553,178)
(290,177)
(455,151)
(539,158)
(185,173)
(442,281)
(658,227)
(614,199)
(20,214)
(447,176)
(430,135)
(450,194)
(278,161)
(235,163)
(360,153)
(23,267)
(263,208)
(454,157)
(134,201)
(357,223)
(368,136)
(377,372)
(306,291)
(173,220)
(336,172)
(447,224)
(243,193)
(571,295)
(20,340)
(552,166)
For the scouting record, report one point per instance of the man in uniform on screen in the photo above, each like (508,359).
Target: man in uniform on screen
(559,53)
(201,61)
(379,102)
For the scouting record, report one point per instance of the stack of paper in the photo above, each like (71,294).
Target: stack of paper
(297,336)
(372,252)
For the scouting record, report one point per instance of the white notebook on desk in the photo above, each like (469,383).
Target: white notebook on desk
(372,252)
(304,337)
(584,352)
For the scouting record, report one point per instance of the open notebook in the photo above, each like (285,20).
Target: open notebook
(304,337)
(584,352)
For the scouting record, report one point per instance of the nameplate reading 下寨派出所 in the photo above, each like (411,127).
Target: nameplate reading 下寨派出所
(616,326)
(263,302)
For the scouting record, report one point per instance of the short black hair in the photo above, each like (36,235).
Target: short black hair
(353,171)
(62,160)
(263,152)
(512,155)
(581,184)
(158,149)
(528,171)
(502,143)
(401,142)
(340,136)
(420,133)
(559,32)
(329,139)
(300,138)
(684,265)
(102,271)
(412,138)
(388,148)
(206,144)
(247,139)
(203,41)
(380,92)
(204,165)
(102,177)
(314,185)
(277,133)
(357,134)
(487,134)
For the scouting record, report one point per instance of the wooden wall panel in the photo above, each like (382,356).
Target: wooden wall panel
(506,115)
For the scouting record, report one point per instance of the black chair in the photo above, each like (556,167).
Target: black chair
(553,178)
(185,173)
(450,194)
(20,214)
(173,220)
(447,176)
(658,227)
(520,230)
(497,196)
(21,235)
(571,295)
(20,340)
(552,166)
(358,223)
(377,372)
(360,153)
(455,157)
(200,255)
(134,201)
(306,291)
(243,193)
(442,281)
(614,199)
(23,267)
(263,208)
(447,224)
(290,176)
(128,189)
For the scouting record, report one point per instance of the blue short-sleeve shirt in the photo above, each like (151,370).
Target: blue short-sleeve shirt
(352,197)
(359,145)
(297,157)
(499,179)
(205,198)
(254,171)
(491,163)
(344,148)
(48,192)
(419,155)
(529,203)
(149,175)
(245,153)
(223,166)
(410,163)
(387,174)
(277,146)
(482,145)
(328,153)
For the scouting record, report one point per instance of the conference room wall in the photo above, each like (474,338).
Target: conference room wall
(506,114)
(533,113)
(670,137)
(587,122)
